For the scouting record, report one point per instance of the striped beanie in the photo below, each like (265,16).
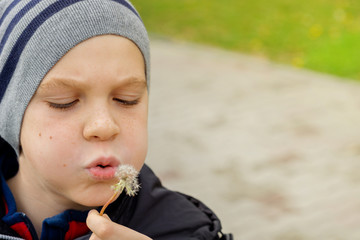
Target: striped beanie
(35,34)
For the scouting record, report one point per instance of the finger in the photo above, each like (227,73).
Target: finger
(93,237)
(88,221)
(104,228)
(99,225)
(106,216)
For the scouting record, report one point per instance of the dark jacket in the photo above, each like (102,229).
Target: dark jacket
(156,212)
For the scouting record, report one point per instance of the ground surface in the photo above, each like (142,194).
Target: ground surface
(273,150)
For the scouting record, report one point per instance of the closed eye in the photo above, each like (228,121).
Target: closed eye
(63,106)
(126,102)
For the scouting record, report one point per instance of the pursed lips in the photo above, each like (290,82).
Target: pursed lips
(103,168)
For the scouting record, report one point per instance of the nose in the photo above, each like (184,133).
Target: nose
(100,126)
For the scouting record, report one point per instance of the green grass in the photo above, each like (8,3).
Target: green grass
(323,35)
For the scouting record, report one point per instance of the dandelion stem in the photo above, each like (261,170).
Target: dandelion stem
(108,203)
(127,176)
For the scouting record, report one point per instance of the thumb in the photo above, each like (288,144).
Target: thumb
(103,228)
(93,219)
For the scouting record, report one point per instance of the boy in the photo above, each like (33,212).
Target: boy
(74,78)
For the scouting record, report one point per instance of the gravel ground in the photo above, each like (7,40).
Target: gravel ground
(273,150)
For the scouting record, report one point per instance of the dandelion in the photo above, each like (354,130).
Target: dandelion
(127,176)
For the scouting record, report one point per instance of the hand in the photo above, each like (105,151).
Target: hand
(104,229)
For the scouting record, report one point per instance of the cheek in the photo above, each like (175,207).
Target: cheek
(140,152)
(47,138)
(136,141)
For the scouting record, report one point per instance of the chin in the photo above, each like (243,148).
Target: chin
(96,200)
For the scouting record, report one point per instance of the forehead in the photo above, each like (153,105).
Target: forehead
(101,59)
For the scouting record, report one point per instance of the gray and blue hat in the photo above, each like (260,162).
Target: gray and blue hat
(35,34)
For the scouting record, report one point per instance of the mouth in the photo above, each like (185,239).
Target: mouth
(103,168)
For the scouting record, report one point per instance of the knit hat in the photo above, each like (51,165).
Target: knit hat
(35,34)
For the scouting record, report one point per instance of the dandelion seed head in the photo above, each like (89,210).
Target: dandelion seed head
(128,180)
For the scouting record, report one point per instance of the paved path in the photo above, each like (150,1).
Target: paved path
(275,151)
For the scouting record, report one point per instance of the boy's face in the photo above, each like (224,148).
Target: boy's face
(88,116)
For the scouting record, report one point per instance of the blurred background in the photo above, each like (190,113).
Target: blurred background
(254,109)
(322,35)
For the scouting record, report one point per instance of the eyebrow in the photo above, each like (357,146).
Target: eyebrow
(58,82)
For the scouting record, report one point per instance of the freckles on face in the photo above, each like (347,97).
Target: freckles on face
(50,137)
(92,104)
(45,140)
